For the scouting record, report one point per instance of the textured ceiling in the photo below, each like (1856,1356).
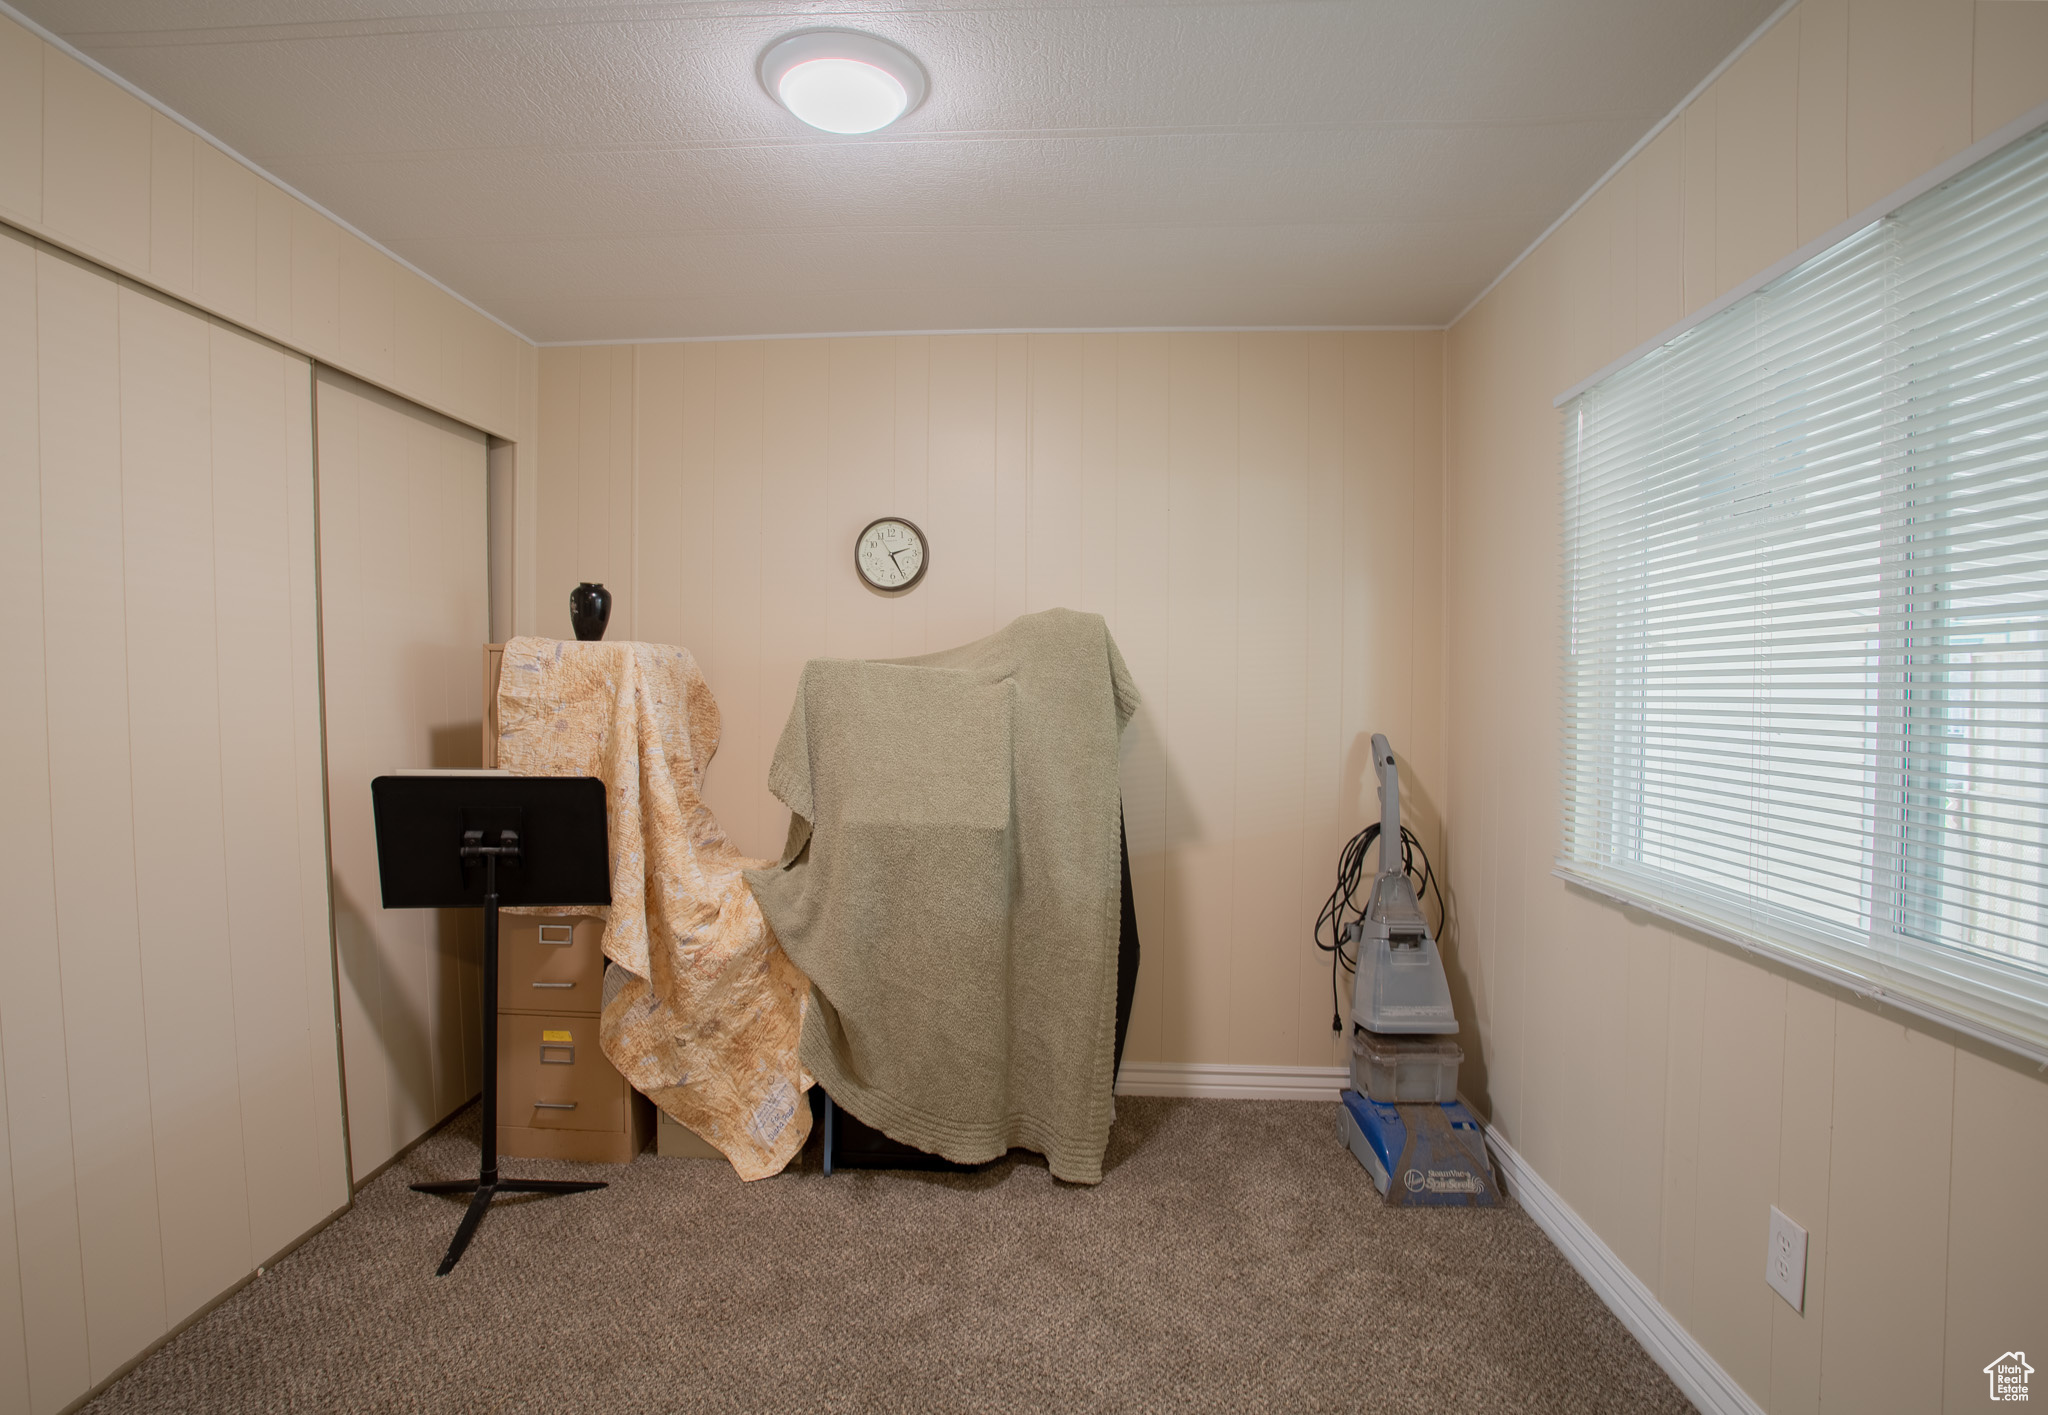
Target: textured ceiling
(611,171)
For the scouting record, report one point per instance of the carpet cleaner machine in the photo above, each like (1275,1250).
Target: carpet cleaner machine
(1401,1115)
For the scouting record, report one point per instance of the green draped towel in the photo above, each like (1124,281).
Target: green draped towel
(952,887)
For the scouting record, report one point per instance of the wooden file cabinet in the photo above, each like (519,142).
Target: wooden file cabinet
(558,1097)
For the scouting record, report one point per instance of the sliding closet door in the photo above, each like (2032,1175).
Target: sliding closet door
(405,610)
(170,1111)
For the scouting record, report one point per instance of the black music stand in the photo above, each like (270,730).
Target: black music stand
(443,839)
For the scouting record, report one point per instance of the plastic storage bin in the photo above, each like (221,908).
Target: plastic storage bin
(1404,1070)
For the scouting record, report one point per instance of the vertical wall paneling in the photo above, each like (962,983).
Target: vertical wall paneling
(316,281)
(1660,232)
(1639,1170)
(1888,1217)
(1805,1142)
(1202,690)
(174,707)
(318,976)
(2011,56)
(910,491)
(1701,218)
(1324,779)
(92,832)
(1588,993)
(368,300)
(1744,1087)
(1426,569)
(1270,728)
(405,608)
(1908,92)
(860,484)
(524,373)
(1614,322)
(1053,527)
(732,654)
(96,164)
(804,541)
(1098,476)
(283,1037)
(595,453)
(417,333)
(344,637)
(662,543)
(1580,244)
(94,169)
(620,567)
(699,462)
(42,1174)
(1683,1065)
(1741,1084)
(556,495)
(962,520)
(173,231)
(1994,1299)
(1823,136)
(1013,475)
(14,1388)
(502,495)
(164,1031)
(1193,489)
(172,1095)
(1379,590)
(21,124)
(274,287)
(226,206)
(1756,157)
(1144,531)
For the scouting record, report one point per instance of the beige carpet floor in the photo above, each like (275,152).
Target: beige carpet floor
(1235,1258)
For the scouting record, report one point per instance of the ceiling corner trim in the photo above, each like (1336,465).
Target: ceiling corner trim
(1027,329)
(59,42)
(1642,142)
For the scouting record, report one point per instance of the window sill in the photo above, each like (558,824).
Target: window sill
(2034,1047)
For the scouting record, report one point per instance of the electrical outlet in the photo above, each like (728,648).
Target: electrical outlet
(1785,1268)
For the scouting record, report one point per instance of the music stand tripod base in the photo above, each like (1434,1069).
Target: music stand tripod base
(561,858)
(483,1194)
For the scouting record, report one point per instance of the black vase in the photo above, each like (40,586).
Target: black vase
(590,609)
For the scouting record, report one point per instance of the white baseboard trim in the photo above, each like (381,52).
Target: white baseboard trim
(1670,1345)
(1231,1083)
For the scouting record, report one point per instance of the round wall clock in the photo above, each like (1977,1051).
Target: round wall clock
(891,554)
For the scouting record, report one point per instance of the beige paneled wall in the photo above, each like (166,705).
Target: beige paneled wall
(172,1108)
(1258,516)
(184,1144)
(1669,1088)
(405,612)
(92,168)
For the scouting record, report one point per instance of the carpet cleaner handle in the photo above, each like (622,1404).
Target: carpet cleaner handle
(1390,804)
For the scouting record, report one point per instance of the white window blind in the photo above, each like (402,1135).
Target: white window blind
(1806,679)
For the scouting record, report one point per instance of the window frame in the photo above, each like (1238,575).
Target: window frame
(1873,966)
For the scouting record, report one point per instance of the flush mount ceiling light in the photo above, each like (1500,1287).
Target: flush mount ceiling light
(840,81)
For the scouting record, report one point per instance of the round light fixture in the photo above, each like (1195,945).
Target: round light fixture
(840,81)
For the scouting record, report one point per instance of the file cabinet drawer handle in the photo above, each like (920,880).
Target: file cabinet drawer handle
(559,935)
(554,1105)
(565,1055)
(554,985)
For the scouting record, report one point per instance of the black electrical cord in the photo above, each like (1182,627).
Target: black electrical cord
(1343,900)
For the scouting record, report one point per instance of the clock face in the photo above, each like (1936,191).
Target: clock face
(890,554)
